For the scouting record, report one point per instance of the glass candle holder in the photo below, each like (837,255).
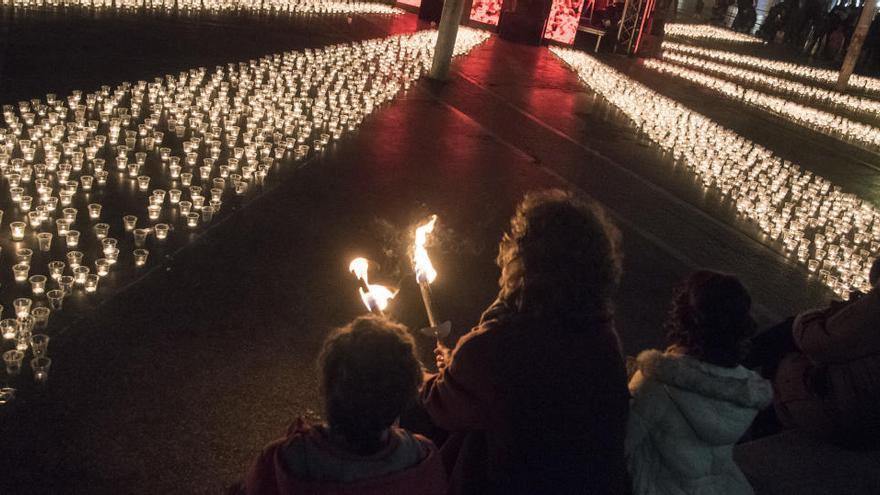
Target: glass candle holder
(130,222)
(192,220)
(70,215)
(102,267)
(24,255)
(72,238)
(161,230)
(95,211)
(56,269)
(185,208)
(44,241)
(35,219)
(140,257)
(79,275)
(207,214)
(174,196)
(62,225)
(74,259)
(9,328)
(143,182)
(91,284)
(111,254)
(56,299)
(186,179)
(38,284)
(13,360)
(22,306)
(40,366)
(65,283)
(153,212)
(41,317)
(39,344)
(20,272)
(101,230)
(140,236)
(108,243)
(17,230)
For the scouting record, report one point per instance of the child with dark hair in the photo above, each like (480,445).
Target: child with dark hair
(694,401)
(369,375)
(535,396)
(828,386)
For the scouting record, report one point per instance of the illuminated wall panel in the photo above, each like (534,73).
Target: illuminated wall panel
(564,18)
(487,11)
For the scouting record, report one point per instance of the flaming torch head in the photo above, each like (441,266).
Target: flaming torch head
(375,297)
(425,272)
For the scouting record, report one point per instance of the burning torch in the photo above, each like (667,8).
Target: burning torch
(425,275)
(374,296)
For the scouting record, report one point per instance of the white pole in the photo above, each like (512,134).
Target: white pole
(447,32)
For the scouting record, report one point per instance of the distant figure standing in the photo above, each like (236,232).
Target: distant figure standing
(369,374)
(692,403)
(536,394)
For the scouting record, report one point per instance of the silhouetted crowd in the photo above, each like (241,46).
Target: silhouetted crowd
(812,29)
(539,399)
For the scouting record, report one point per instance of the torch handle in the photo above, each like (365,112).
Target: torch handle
(429,304)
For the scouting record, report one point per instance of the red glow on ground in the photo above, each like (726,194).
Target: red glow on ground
(563,23)
(486,11)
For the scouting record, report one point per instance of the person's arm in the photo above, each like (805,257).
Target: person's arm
(459,395)
(848,333)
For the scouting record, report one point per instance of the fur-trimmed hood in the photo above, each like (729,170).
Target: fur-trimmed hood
(717,402)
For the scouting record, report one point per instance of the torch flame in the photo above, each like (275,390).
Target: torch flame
(360,266)
(376,296)
(421,262)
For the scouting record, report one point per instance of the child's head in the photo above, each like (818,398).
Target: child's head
(369,374)
(874,276)
(710,318)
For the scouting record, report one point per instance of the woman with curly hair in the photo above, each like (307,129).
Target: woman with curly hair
(535,396)
(369,374)
(692,403)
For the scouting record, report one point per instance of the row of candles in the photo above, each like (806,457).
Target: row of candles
(824,77)
(253,6)
(834,234)
(825,122)
(706,32)
(200,135)
(827,97)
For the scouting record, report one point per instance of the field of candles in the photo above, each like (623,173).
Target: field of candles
(189,187)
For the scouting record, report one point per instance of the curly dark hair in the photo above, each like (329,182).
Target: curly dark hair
(369,375)
(874,276)
(561,260)
(710,318)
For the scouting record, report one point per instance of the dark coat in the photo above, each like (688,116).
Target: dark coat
(534,409)
(832,387)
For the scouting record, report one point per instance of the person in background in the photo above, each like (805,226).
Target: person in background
(693,402)
(535,396)
(830,385)
(368,374)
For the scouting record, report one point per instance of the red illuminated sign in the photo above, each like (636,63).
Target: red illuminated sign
(486,11)
(564,18)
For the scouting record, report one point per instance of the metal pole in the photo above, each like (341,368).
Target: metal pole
(855,44)
(446,34)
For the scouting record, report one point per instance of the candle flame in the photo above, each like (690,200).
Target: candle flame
(376,296)
(425,271)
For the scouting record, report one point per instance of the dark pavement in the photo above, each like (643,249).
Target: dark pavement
(174,384)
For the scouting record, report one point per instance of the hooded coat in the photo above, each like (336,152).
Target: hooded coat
(685,417)
(326,467)
(832,387)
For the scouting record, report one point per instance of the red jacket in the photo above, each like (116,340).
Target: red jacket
(832,388)
(535,409)
(270,475)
